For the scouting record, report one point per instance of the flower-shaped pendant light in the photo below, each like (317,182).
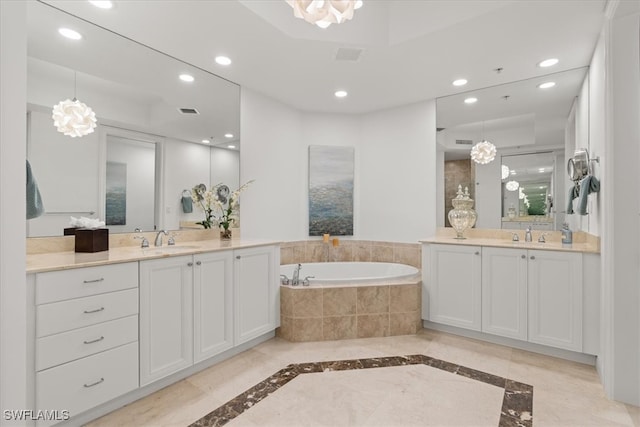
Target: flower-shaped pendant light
(483,152)
(324,12)
(505,171)
(512,185)
(73,118)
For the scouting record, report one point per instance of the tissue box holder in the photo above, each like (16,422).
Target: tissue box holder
(88,240)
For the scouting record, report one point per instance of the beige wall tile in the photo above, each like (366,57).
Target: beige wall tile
(339,301)
(341,253)
(339,328)
(382,253)
(286,301)
(361,251)
(373,325)
(373,299)
(403,323)
(316,251)
(285,330)
(403,298)
(286,255)
(410,255)
(309,329)
(307,302)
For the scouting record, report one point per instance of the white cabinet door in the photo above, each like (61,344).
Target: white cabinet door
(504,292)
(212,304)
(555,299)
(166,317)
(454,285)
(255,292)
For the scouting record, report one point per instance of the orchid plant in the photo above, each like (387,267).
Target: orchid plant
(219,205)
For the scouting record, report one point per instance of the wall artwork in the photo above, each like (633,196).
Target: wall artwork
(331,171)
(116,200)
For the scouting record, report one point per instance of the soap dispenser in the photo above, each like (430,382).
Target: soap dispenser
(567,234)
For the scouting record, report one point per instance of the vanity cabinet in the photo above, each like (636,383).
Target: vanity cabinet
(453,285)
(528,295)
(195,307)
(86,349)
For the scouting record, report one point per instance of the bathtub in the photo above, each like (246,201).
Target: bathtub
(348,300)
(327,274)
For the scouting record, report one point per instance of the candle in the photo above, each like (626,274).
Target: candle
(336,242)
(325,238)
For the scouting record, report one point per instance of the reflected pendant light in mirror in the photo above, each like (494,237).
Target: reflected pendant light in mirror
(484,151)
(72,117)
(512,185)
(505,171)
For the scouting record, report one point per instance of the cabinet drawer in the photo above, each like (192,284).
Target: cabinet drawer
(62,348)
(81,282)
(80,312)
(88,382)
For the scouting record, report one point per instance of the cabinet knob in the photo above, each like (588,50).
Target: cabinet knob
(477,253)
(198,262)
(523,256)
(190,264)
(532,257)
(237,256)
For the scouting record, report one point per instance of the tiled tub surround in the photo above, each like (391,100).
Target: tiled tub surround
(320,314)
(335,313)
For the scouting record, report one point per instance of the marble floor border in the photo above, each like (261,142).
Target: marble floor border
(517,403)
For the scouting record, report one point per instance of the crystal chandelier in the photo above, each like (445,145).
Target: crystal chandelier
(72,117)
(324,12)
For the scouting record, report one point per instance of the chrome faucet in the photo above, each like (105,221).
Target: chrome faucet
(158,241)
(527,235)
(295,280)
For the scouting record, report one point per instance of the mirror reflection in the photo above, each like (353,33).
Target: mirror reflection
(157,135)
(528,126)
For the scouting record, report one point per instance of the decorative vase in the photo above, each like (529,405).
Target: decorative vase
(462,216)
(225,234)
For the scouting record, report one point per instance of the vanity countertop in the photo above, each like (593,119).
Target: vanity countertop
(582,242)
(41,262)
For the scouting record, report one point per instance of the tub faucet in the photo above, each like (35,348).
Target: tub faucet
(158,241)
(527,235)
(295,280)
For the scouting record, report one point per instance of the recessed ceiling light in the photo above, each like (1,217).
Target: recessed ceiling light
(206,141)
(228,135)
(186,78)
(70,34)
(223,60)
(231,146)
(470,100)
(459,82)
(102,4)
(340,93)
(548,62)
(546,85)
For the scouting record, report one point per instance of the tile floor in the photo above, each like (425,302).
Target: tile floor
(565,393)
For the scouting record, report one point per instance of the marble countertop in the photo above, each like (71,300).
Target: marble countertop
(41,262)
(502,239)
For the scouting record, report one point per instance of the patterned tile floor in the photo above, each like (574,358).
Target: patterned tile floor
(445,380)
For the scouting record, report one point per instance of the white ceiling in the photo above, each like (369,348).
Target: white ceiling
(412,50)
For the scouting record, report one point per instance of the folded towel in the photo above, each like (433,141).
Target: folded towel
(187,202)
(588,185)
(573,194)
(35,207)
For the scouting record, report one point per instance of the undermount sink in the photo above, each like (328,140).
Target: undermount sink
(169,249)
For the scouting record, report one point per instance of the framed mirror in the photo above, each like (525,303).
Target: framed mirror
(527,122)
(154,114)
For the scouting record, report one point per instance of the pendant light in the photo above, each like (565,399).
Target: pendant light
(324,12)
(72,117)
(484,151)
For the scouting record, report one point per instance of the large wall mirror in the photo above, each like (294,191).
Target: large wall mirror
(532,129)
(149,144)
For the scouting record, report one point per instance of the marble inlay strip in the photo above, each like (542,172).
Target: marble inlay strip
(517,404)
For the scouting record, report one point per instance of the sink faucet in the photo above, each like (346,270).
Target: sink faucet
(295,280)
(158,241)
(527,235)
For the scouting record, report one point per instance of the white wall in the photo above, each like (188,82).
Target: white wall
(489,194)
(13,296)
(225,165)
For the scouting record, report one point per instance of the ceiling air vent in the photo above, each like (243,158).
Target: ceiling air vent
(188,111)
(464,142)
(348,54)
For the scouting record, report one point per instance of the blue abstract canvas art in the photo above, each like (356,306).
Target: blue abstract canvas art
(331,171)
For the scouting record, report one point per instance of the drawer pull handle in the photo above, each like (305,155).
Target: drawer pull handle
(101,380)
(96,340)
(94,311)
(94,280)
